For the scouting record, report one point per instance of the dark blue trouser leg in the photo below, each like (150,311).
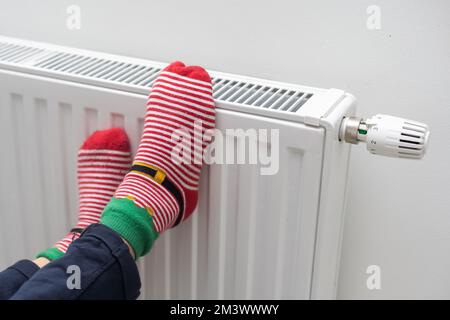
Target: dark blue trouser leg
(106,270)
(12,278)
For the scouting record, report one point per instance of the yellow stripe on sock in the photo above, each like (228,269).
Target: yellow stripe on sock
(159,176)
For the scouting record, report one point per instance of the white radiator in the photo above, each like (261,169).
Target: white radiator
(253,236)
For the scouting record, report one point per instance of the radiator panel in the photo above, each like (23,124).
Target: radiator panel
(252,236)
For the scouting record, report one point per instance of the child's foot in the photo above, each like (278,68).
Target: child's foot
(103,160)
(159,191)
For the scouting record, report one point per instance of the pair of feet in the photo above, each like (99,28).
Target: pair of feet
(139,199)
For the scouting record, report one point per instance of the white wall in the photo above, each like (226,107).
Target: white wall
(398,213)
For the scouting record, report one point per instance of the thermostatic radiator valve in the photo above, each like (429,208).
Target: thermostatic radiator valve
(387,135)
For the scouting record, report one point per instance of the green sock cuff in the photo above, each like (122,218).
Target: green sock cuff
(51,254)
(133,223)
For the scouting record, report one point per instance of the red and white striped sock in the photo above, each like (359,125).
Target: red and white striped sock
(168,190)
(103,160)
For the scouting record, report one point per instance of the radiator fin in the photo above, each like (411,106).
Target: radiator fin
(112,70)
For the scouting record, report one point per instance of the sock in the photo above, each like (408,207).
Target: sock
(159,191)
(103,160)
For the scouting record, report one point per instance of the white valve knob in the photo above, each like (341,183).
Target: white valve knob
(387,135)
(396,137)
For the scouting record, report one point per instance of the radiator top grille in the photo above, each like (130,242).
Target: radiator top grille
(138,75)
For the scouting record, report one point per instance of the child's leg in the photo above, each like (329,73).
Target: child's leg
(103,160)
(12,278)
(161,189)
(96,266)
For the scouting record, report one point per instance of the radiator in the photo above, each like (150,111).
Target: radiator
(252,236)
